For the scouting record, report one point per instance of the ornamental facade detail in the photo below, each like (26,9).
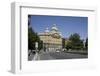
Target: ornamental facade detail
(52,39)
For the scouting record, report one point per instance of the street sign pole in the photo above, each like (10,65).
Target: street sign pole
(36,46)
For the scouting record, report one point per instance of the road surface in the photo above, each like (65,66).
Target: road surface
(57,55)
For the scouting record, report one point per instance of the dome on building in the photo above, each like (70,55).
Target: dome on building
(47,30)
(54,27)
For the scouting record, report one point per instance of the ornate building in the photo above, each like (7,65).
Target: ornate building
(52,39)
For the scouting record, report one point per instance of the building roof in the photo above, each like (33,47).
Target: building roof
(54,31)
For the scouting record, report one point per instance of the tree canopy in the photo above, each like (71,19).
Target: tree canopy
(86,44)
(32,39)
(75,42)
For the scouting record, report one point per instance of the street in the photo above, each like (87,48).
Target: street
(56,55)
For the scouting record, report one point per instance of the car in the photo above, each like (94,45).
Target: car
(57,50)
(63,49)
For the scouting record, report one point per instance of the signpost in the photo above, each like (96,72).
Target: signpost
(36,46)
(36,57)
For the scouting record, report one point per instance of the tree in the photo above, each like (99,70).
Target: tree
(75,42)
(86,44)
(68,45)
(32,39)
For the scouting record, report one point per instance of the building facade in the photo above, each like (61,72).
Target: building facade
(52,39)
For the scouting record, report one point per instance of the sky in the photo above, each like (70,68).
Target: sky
(67,25)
